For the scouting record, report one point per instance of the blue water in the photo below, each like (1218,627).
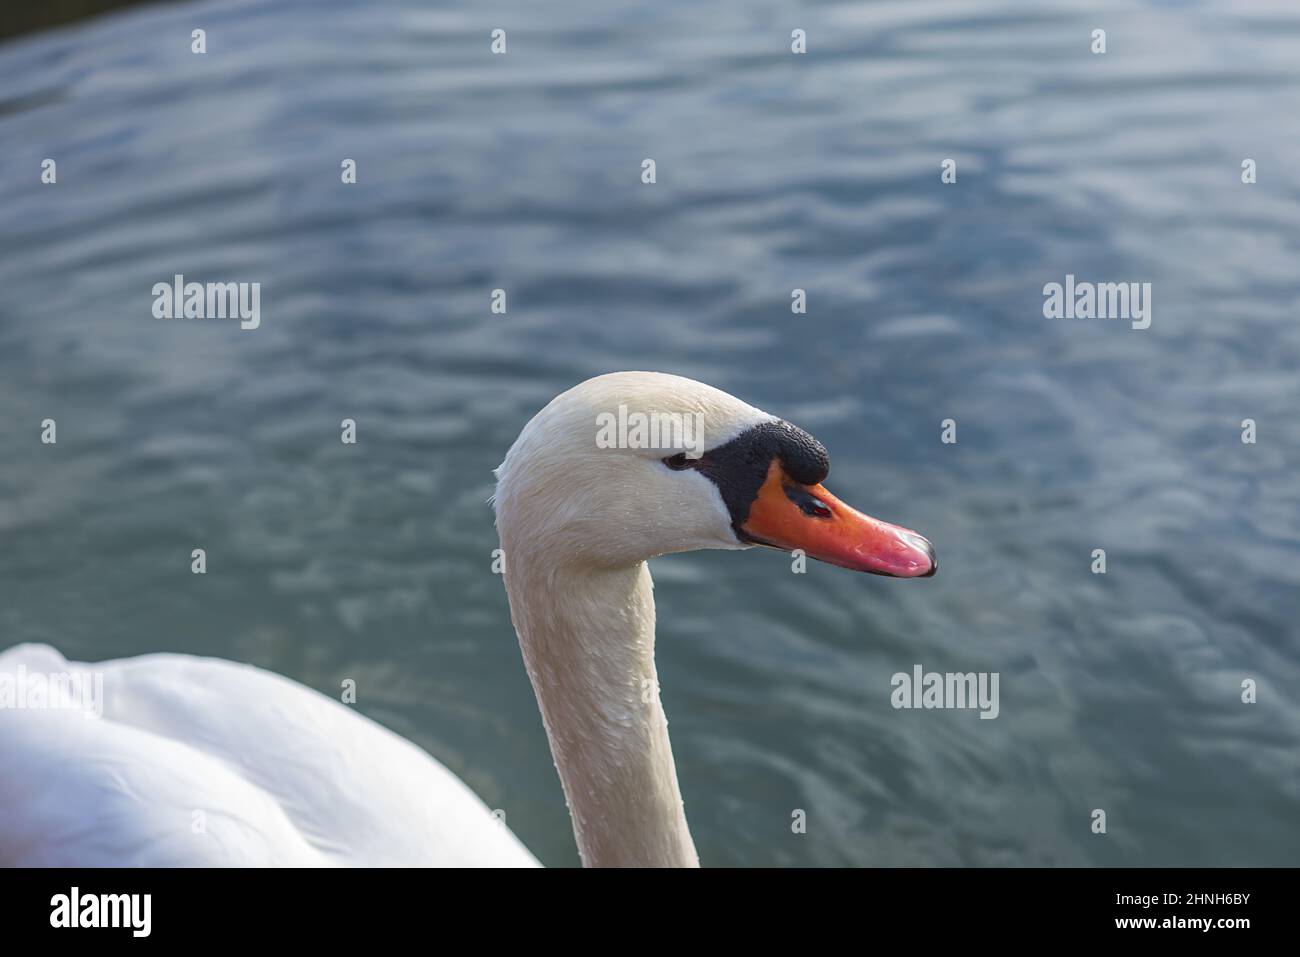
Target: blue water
(1119,691)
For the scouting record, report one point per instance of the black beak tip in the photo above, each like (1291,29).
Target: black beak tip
(934,560)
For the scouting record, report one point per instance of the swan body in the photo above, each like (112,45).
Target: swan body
(205,762)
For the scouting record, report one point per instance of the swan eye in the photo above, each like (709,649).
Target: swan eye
(679,462)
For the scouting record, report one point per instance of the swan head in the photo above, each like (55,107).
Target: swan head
(631,465)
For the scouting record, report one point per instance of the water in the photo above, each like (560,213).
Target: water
(1119,692)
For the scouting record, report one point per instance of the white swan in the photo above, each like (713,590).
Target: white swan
(205,762)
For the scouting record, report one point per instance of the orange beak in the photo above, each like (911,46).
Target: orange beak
(790,516)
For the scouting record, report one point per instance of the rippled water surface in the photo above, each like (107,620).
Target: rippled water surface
(775,171)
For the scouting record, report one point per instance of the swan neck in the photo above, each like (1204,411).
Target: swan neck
(587,636)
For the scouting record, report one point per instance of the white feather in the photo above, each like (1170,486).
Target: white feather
(277,774)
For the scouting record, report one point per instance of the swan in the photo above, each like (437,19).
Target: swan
(175,760)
